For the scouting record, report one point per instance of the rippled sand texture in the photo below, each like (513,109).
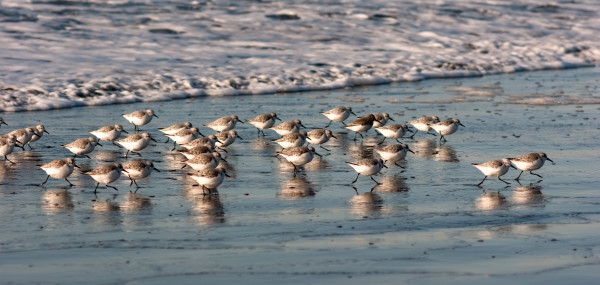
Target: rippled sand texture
(58,54)
(426,224)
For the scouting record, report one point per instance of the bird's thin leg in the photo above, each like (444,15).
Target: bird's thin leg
(375,180)
(45,180)
(482,181)
(519,175)
(355,179)
(113,187)
(503,180)
(536,174)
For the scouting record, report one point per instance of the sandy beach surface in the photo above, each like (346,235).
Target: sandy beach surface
(426,224)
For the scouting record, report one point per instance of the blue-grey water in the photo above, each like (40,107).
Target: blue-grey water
(428,223)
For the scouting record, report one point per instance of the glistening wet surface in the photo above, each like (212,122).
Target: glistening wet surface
(425,224)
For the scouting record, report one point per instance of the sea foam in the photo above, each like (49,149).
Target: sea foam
(60,54)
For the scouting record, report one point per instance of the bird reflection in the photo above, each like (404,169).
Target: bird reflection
(7,172)
(527,194)
(105,206)
(445,153)
(392,183)
(367,203)
(26,159)
(208,210)
(296,187)
(57,200)
(317,164)
(106,155)
(424,148)
(135,203)
(360,151)
(490,201)
(263,144)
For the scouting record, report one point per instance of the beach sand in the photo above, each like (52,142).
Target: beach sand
(427,224)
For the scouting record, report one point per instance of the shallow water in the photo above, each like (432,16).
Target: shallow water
(427,223)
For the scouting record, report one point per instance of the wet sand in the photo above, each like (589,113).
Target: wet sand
(427,223)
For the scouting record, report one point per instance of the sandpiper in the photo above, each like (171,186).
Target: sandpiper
(138,169)
(446,127)
(292,140)
(264,121)
(59,169)
(109,133)
(184,136)
(205,141)
(106,174)
(393,153)
(82,146)
(298,156)
(494,168)
(381,119)
(224,124)
(175,128)
(394,131)
(140,118)
(361,125)
(288,127)
(423,124)
(136,142)
(338,114)
(319,137)
(530,162)
(192,152)
(7,145)
(225,139)
(367,167)
(39,132)
(204,161)
(24,136)
(209,179)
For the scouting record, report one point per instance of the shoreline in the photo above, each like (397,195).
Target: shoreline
(46,103)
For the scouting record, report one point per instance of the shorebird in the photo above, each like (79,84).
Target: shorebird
(494,168)
(446,127)
(367,167)
(298,156)
(106,174)
(319,137)
(394,131)
(530,162)
(393,153)
(136,142)
(381,119)
(82,146)
(338,114)
(361,125)
(138,169)
(288,127)
(39,132)
(109,133)
(140,118)
(59,169)
(224,124)
(7,145)
(264,121)
(423,124)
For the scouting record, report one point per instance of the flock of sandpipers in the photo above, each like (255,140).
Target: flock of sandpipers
(203,153)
